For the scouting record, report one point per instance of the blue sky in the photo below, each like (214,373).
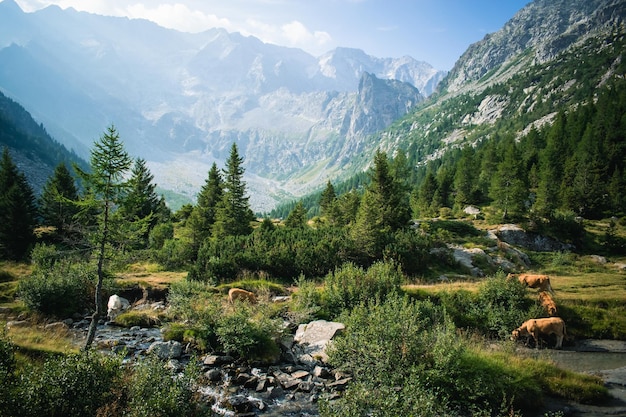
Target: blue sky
(435,31)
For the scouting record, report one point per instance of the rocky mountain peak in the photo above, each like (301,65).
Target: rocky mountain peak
(543,28)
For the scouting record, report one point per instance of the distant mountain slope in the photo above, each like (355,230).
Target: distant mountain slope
(552,56)
(34,152)
(180,100)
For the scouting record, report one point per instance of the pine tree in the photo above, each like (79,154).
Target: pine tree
(384,209)
(464,180)
(297,218)
(106,187)
(18,211)
(141,199)
(327,199)
(233,214)
(57,204)
(425,196)
(509,190)
(203,215)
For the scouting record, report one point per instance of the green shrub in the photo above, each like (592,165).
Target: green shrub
(247,336)
(8,378)
(306,301)
(501,305)
(155,390)
(160,234)
(406,358)
(74,385)
(59,290)
(351,285)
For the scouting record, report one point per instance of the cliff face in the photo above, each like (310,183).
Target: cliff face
(542,29)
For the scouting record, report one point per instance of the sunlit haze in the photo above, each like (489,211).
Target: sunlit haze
(435,31)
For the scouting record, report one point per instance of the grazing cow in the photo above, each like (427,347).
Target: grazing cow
(547,303)
(537,327)
(239,294)
(542,282)
(116,305)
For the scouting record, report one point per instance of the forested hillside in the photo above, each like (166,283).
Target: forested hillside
(30,145)
(455,143)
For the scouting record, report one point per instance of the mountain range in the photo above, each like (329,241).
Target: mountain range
(180,100)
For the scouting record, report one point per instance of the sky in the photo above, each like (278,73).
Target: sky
(434,31)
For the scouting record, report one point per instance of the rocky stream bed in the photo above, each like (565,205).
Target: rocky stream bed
(294,385)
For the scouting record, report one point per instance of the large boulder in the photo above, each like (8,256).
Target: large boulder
(515,235)
(166,350)
(311,340)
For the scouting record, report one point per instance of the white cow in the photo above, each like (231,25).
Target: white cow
(116,305)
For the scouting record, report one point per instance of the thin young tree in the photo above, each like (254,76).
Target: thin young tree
(106,187)
(18,212)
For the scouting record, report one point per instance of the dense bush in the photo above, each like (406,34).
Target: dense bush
(283,253)
(351,285)
(247,335)
(499,306)
(60,289)
(74,385)
(156,390)
(407,358)
(247,331)
(7,375)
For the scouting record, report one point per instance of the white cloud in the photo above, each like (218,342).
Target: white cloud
(182,15)
(178,16)
(298,35)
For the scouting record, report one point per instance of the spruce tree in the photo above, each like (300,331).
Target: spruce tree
(18,212)
(202,217)
(327,199)
(233,215)
(141,208)
(297,217)
(509,190)
(384,209)
(57,204)
(106,187)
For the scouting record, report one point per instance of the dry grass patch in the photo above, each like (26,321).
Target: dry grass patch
(36,340)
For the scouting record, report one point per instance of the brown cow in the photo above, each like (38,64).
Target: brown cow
(535,281)
(547,303)
(239,294)
(537,327)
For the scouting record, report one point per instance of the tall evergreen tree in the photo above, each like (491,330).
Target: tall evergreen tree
(18,212)
(509,190)
(140,206)
(106,187)
(327,199)
(202,217)
(464,179)
(233,215)
(57,204)
(141,199)
(426,195)
(297,218)
(384,209)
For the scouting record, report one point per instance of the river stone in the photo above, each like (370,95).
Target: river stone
(315,336)
(166,350)
(214,375)
(56,326)
(213,360)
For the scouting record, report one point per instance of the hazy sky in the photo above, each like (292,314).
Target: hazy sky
(435,31)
